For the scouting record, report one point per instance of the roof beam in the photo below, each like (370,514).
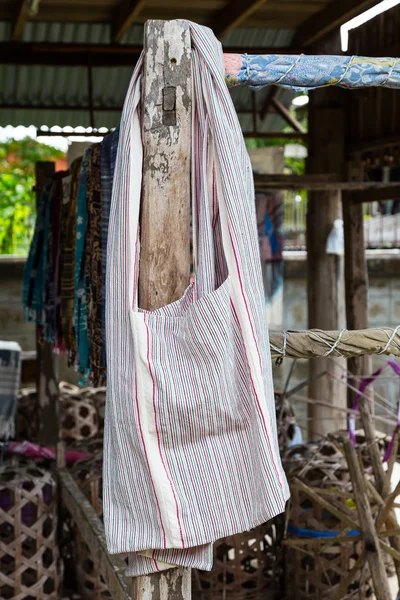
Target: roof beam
(96,55)
(20,18)
(125,15)
(329,19)
(287,116)
(233,15)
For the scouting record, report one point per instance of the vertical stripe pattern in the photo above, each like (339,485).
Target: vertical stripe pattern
(191,450)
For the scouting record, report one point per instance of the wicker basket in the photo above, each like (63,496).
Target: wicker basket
(317,569)
(247,566)
(78,417)
(29,557)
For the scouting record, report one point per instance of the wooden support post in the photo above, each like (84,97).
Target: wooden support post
(325,271)
(46,377)
(367,526)
(164,269)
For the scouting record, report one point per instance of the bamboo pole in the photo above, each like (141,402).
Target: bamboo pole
(367,526)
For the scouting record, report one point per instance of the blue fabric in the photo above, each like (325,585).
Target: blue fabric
(311,533)
(309,72)
(34,279)
(80,307)
(107,165)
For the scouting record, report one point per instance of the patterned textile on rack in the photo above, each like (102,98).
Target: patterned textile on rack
(269,209)
(53,254)
(10,376)
(80,308)
(107,162)
(94,269)
(34,280)
(68,266)
(309,72)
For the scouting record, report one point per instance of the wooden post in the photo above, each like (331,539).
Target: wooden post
(164,269)
(46,378)
(325,271)
(367,526)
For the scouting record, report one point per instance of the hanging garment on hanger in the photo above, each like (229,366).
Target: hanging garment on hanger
(191,451)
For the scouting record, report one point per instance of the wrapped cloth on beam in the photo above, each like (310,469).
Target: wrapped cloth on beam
(302,73)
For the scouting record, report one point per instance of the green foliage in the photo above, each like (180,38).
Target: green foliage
(17,198)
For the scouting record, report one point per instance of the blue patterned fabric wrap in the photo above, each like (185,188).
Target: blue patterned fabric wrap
(80,308)
(34,280)
(309,72)
(107,165)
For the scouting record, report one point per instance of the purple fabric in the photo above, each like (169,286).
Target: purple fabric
(364,383)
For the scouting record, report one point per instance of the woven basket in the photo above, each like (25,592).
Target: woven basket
(78,417)
(247,566)
(29,557)
(316,569)
(27,415)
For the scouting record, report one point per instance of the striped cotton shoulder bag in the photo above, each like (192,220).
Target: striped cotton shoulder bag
(191,452)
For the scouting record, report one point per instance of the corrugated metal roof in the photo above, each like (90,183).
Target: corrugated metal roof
(68,86)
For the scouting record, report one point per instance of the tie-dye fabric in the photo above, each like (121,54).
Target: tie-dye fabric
(107,164)
(191,449)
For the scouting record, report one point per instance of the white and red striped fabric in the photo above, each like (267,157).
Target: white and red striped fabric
(191,450)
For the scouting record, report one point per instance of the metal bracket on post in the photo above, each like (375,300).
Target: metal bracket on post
(164,269)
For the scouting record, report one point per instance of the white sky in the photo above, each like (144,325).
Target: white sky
(62,142)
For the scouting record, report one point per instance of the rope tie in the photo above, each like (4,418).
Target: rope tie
(279,360)
(336,344)
(345,71)
(390,340)
(390,73)
(288,71)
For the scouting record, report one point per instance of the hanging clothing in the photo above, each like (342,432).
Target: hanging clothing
(94,270)
(53,256)
(34,280)
(68,267)
(270,213)
(191,450)
(107,162)
(80,308)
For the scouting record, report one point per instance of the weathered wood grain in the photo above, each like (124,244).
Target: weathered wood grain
(164,268)
(166,123)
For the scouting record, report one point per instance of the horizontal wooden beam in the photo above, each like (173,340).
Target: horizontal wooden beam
(233,14)
(111,567)
(386,191)
(374,143)
(361,191)
(60,107)
(275,135)
(329,19)
(100,55)
(125,15)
